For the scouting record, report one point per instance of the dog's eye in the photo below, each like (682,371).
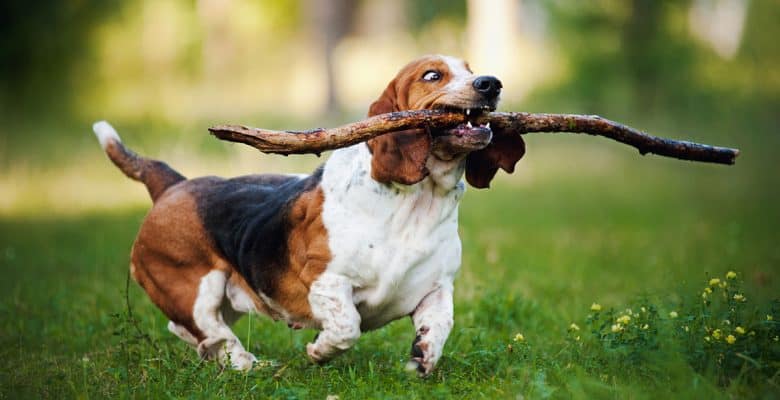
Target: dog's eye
(431,76)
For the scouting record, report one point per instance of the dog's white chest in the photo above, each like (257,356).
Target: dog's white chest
(395,245)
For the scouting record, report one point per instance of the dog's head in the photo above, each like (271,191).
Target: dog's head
(442,82)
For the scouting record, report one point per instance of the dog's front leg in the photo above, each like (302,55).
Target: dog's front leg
(330,297)
(433,322)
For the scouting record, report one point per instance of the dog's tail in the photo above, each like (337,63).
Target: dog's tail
(156,175)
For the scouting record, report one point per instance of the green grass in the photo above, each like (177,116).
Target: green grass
(538,251)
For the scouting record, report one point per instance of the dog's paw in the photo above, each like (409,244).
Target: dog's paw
(422,368)
(315,355)
(242,361)
(422,360)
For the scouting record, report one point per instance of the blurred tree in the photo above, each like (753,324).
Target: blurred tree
(330,20)
(640,33)
(41,43)
(633,53)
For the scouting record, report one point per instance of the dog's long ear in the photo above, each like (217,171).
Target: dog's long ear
(399,156)
(504,151)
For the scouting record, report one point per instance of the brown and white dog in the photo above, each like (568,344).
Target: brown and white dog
(371,236)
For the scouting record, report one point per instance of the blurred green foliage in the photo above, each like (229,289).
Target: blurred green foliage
(630,59)
(41,44)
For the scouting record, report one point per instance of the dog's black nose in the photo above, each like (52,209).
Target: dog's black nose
(488,86)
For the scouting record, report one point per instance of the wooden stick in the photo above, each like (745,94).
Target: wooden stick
(318,140)
(595,125)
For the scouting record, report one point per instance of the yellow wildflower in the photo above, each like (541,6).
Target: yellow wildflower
(723,285)
(739,297)
(595,307)
(740,330)
(731,275)
(644,309)
(519,338)
(769,317)
(617,328)
(577,338)
(623,319)
(714,281)
(645,326)
(574,327)
(629,311)
(673,314)
(716,334)
(730,339)
(708,290)
(707,338)
(686,328)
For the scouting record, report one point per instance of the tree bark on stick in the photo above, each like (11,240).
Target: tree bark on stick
(319,140)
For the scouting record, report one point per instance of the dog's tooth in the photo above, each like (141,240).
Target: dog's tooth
(468,111)
(487,125)
(468,124)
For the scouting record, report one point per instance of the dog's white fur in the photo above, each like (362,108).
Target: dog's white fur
(105,133)
(392,247)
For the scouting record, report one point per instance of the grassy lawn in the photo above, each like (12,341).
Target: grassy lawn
(582,223)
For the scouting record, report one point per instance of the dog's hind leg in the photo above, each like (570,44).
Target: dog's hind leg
(219,341)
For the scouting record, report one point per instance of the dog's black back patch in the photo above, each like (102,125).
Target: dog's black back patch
(248,220)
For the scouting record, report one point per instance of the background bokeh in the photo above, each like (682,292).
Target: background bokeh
(162,71)
(582,220)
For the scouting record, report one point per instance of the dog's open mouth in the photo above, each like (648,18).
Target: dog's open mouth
(468,136)
(471,127)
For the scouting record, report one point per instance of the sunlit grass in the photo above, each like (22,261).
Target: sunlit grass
(582,222)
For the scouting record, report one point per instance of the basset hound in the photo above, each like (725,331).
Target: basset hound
(371,236)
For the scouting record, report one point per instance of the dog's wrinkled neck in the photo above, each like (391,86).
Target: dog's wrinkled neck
(443,177)
(446,175)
